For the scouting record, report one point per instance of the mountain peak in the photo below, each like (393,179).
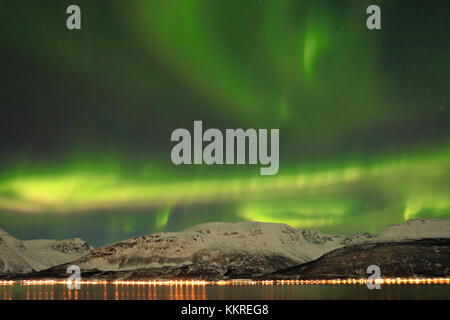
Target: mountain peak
(272,245)
(417,229)
(18,256)
(241,225)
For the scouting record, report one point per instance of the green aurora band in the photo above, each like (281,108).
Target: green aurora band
(85,131)
(393,190)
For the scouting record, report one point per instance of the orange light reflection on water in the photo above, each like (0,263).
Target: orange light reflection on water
(383,281)
(188,289)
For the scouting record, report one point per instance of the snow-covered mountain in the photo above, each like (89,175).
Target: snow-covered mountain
(416,229)
(238,249)
(215,250)
(416,248)
(223,248)
(18,256)
(412,258)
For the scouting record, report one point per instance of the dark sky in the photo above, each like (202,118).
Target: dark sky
(86,115)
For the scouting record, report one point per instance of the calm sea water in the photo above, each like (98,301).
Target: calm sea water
(203,292)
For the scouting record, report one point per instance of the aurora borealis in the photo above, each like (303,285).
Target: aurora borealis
(87,115)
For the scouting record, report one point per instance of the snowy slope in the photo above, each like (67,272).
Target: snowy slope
(270,244)
(18,256)
(215,239)
(416,229)
(11,254)
(218,250)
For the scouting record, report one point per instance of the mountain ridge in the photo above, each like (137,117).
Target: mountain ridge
(221,250)
(23,256)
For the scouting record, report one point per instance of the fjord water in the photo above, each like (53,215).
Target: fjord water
(213,292)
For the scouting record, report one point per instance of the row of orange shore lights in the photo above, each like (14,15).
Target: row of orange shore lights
(393,281)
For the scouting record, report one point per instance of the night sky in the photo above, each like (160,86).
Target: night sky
(86,115)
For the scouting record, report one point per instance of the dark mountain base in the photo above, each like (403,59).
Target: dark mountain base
(415,258)
(224,266)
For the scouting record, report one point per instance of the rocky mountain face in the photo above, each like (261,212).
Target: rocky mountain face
(405,258)
(216,251)
(416,248)
(212,250)
(18,256)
